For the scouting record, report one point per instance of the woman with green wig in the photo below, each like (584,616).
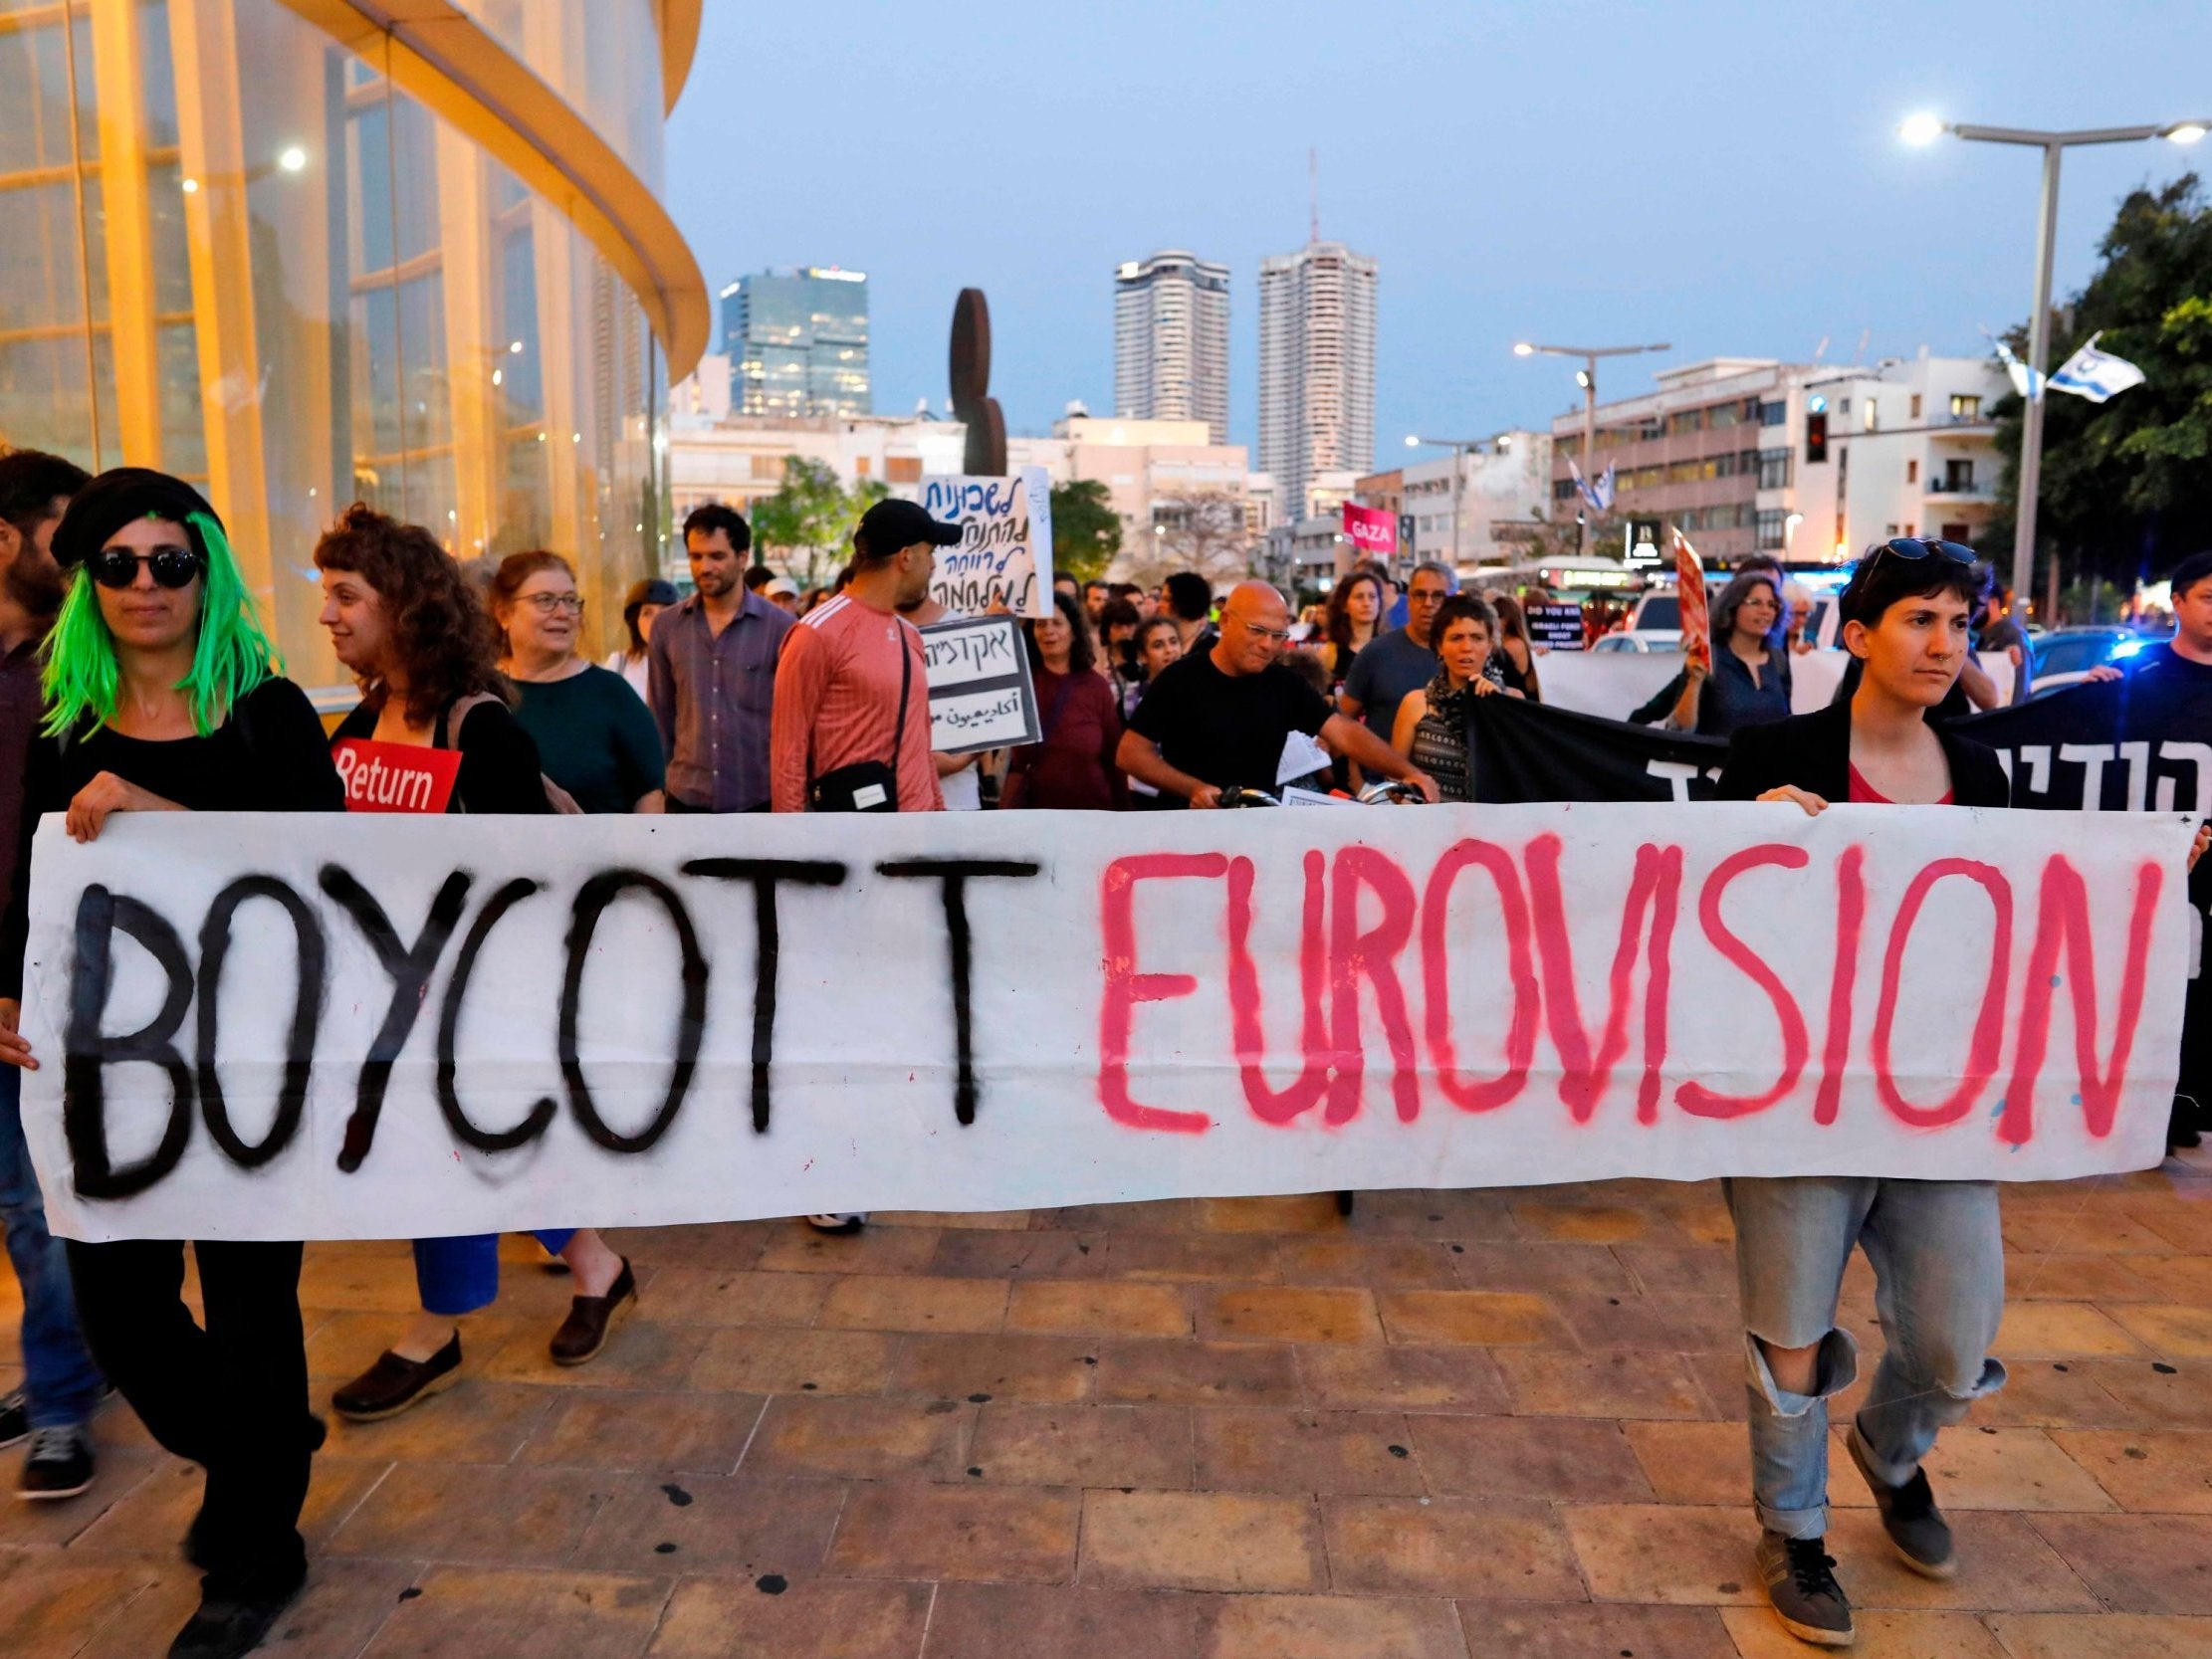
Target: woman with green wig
(163,694)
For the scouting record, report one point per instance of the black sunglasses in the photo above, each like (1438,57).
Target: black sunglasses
(171,567)
(1914,546)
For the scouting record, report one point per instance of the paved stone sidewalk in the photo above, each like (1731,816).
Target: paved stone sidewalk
(1464,1425)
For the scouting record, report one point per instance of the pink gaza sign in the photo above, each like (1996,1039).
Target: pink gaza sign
(1373,531)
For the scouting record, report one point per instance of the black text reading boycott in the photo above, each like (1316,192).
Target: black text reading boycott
(102,913)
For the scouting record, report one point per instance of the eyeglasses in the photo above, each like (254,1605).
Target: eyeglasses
(172,567)
(1277,635)
(546,604)
(1914,546)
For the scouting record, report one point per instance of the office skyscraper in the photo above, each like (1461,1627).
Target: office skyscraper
(1170,341)
(798,342)
(1316,367)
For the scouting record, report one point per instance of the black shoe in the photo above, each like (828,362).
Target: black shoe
(61,1464)
(15,1418)
(2181,1127)
(1799,1580)
(1916,1527)
(393,1384)
(584,1331)
(225,1628)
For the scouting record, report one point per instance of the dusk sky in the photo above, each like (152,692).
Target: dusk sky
(1721,175)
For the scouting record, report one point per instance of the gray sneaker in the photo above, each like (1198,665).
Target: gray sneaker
(1800,1578)
(1916,1527)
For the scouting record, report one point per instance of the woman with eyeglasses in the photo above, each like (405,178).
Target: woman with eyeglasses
(594,738)
(1748,679)
(163,694)
(1973,692)
(424,650)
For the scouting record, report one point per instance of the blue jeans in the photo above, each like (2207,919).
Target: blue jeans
(1939,1287)
(61,1384)
(456,1276)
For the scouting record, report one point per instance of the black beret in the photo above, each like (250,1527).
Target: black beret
(113,500)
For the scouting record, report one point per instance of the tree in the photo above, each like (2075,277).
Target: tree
(2126,485)
(1087,530)
(1204,533)
(810,519)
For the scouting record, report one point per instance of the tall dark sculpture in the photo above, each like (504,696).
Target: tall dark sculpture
(971,399)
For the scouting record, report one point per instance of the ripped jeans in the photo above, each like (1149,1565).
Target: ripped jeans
(1939,1286)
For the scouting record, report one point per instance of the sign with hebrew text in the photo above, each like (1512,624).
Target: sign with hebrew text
(1005,558)
(371,1025)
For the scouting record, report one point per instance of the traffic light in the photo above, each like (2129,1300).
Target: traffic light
(1816,438)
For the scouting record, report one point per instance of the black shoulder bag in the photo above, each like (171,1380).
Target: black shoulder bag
(867,785)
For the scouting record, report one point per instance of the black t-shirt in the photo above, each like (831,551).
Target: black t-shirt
(1227,730)
(269,757)
(500,769)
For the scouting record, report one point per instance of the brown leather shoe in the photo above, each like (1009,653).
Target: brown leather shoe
(584,1331)
(393,1384)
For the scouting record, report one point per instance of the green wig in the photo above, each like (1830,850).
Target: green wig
(233,656)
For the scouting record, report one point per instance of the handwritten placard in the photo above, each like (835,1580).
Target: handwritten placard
(395,777)
(1004,557)
(981,692)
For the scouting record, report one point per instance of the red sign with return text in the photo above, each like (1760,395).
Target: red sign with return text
(395,777)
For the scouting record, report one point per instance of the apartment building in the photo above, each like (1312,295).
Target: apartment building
(1316,369)
(1170,340)
(1801,460)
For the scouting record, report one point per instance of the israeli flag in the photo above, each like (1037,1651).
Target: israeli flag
(1589,494)
(1604,499)
(2096,375)
(2023,378)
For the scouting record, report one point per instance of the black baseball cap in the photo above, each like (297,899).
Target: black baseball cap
(889,525)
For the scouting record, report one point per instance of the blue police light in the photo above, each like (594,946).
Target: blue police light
(2127,647)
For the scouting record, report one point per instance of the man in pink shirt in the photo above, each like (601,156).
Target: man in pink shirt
(850,663)
(845,672)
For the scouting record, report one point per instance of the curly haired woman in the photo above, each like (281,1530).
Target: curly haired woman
(404,618)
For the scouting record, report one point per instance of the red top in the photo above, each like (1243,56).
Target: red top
(837,699)
(1863,793)
(1073,768)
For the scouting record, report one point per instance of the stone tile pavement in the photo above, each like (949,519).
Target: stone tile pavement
(1460,1425)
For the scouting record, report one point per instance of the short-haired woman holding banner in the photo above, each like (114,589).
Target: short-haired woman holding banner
(1935,1248)
(163,694)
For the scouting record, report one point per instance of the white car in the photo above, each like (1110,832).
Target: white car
(1643,642)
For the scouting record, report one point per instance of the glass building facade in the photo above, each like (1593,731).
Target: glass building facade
(798,342)
(241,250)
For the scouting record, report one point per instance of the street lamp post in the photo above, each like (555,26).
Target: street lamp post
(1461,448)
(1587,378)
(1926,130)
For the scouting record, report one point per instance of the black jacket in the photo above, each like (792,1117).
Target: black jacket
(1813,751)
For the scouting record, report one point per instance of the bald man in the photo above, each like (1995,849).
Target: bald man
(1218,719)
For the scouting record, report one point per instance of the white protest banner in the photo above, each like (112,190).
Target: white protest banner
(1004,557)
(981,692)
(378,1026)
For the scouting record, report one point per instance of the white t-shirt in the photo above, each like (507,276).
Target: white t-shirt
(964,789)
(637,673)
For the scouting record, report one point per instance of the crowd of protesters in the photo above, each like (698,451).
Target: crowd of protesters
(136,676)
